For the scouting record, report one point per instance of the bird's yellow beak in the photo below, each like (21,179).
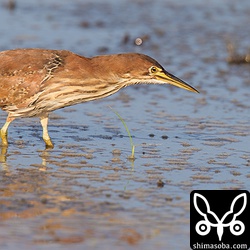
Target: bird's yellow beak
(171,79)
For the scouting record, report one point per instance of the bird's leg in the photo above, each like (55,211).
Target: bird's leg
(46,138)
(4,131)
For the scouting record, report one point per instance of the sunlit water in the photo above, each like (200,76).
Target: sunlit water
(82,194)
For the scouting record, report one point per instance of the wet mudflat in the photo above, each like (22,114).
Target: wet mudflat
(86,193)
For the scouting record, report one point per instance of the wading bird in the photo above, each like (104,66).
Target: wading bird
(35,82)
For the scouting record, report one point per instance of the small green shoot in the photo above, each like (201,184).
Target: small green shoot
(132,157)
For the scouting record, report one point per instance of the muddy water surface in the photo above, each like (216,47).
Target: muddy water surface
(86,193)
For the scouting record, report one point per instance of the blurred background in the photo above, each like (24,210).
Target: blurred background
(86,193)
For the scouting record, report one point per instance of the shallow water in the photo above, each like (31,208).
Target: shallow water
(86,192)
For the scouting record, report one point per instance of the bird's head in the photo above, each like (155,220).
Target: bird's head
(134,68)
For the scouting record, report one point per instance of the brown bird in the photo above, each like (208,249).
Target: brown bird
(35,82)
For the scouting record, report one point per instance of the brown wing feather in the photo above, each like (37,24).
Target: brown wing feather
(25,74)
(22,73)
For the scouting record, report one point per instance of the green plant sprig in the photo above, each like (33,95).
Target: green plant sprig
(132,157)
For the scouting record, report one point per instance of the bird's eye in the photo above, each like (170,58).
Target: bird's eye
(153,69)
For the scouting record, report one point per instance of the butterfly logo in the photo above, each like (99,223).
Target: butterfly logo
(203,227)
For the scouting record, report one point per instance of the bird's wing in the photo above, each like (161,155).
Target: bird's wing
(22,73)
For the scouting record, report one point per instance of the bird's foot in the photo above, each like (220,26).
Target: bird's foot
(3,154)
(4,138)
(48,143)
